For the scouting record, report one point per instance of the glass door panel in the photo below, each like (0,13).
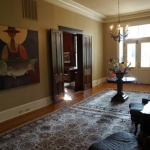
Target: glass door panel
(131,54)
(138,53)
(144,62)
(145,54)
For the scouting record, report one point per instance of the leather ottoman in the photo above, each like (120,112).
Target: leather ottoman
(117,141)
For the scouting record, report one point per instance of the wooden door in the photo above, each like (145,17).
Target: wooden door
(87,62)
(84,52)
(57,64)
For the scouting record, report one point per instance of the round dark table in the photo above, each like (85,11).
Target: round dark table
(120,96)
(124,79)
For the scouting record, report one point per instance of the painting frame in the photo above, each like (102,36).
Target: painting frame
(66,57)
(19,58)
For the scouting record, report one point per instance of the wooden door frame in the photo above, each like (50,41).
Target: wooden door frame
(57,64)
(70,30)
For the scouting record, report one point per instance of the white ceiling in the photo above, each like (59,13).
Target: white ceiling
(110,7)
(106,10)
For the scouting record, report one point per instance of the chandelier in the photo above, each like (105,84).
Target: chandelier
(116,34)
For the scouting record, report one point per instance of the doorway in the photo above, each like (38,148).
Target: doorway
(138,53)
(70,59)
(70,56)
(83,75)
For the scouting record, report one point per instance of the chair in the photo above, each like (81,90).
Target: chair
(135,111)
(69,74)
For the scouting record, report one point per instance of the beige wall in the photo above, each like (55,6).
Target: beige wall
(110,47)
(49,16)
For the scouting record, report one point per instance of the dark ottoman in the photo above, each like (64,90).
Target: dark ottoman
(117,141)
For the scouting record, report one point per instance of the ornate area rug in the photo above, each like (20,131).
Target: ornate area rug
(72,128)
(101,102)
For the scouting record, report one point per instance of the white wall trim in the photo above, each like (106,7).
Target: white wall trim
(77,8)
(127,16)
(20,110)
(99,81)
(80,9)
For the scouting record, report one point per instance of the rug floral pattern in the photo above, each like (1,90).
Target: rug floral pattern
(102,102)
(70,128)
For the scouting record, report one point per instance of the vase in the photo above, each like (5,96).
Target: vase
(120,75)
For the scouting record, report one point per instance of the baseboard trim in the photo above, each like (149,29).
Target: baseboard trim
(99,81)
(23,109)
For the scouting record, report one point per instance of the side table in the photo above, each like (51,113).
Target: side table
(120,96)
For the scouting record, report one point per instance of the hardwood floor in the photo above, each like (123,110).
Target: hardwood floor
(75,96)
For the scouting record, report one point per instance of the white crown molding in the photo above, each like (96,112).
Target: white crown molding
(77,8)
(128,16)
(80,9)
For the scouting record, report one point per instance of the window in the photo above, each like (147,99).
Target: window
(121,47)
(130,52)
(139,31)
(120,51)
(144,30)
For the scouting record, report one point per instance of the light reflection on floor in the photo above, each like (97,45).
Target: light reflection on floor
(67,97)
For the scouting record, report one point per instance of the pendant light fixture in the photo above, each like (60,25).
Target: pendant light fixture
(116,33)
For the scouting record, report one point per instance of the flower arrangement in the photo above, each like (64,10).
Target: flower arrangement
(118,67)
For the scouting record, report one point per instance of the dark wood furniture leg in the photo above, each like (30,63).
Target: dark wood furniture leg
(120,96)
